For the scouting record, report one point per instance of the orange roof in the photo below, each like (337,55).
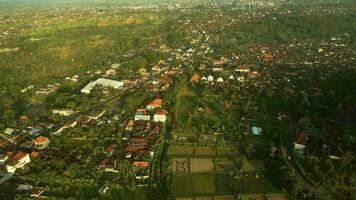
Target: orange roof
(195,77)
(156,102)
(130,123)
(141,110)
(135,148)
(161,112)
(19,156)
(110,148)
(34,154)
(41,139)
(140,164)
(3,142)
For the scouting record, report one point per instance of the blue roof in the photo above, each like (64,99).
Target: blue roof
(34,130)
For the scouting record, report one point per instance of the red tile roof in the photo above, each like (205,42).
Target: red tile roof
(161,112)
(156,102)
(195,77)
(140,164)
(110,148)
(300,138)
(138,140)
(134,148)
(34,154)
(19,156)
(41,139)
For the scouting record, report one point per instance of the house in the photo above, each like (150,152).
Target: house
(130,125)
(18,161)
(220,80)
(195,78)
(300,141)
(9,131)
(110,72)
(267,57)
(210,78)
(207,139)
(160,116)
(27,145)
(63,112)
(156,68)
(41,142)
(109,150)
(141,171)
(34,154)
(157,103)
(137,142)
(34,131)
(243,69)
(218,69)
(256,130)
(141,114)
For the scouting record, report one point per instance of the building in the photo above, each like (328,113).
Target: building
(141,114)
(18,161)
(102,82)
(220,80)
(157,103)
(160,116)
(9,131)
(207,139)
(130,125)
(41,142)
(243,69)
(256,130)
(195,78)
(63,112)
(210,78)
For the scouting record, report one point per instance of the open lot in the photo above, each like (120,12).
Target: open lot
(182,185)
(203,183)
(205,151)
(201,165)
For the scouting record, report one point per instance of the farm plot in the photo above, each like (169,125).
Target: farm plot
(224,197)
(201,165)
(203,183)
(205,151)
(204,198)
(178,150)
(256,183)
(227,184)
(182,185)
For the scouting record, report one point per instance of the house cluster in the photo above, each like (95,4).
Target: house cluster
(18,147)
(316,142)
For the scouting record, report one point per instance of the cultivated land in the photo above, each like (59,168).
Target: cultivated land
(211,100)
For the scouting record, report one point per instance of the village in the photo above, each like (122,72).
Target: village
(211,117)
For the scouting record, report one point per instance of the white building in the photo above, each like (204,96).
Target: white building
(63,112)
(41,142)
(9,131)
(210,78)
(102,82)
(160,116)
(18,161)
(220,80)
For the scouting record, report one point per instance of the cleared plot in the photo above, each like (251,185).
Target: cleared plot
(203,183)
(227,151)
(179,165)
(228,184)
(201,165)
(176,150)
(205,151)
(256,183)
(253,196)
(182,185)
(204,198)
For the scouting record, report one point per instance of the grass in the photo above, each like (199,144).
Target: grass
(182,185)
(203,183)
(205,151)
(175,150)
